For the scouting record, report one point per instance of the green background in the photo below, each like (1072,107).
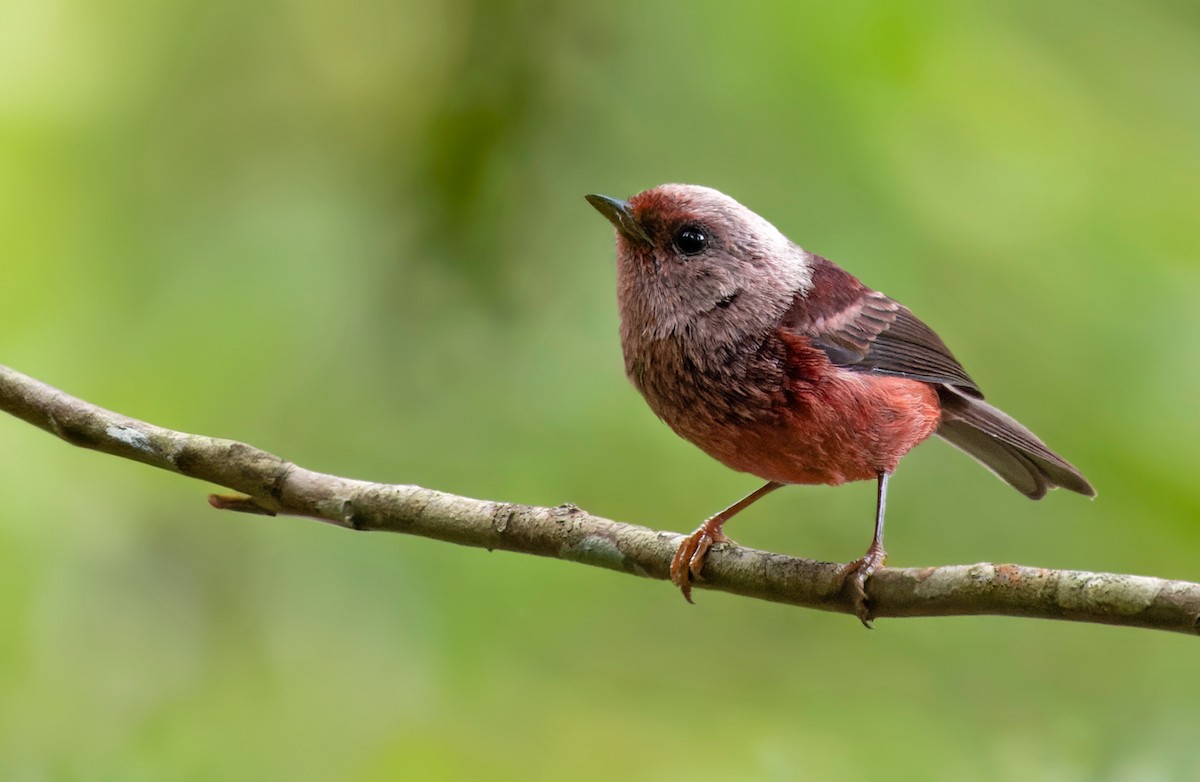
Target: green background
(354,234)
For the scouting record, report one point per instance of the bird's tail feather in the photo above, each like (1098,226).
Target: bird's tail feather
(1005,447)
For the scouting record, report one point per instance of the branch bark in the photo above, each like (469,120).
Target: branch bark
(271,485)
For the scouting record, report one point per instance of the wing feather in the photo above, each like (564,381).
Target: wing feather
(865,331)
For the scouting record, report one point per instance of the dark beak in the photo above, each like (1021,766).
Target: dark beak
(620,215)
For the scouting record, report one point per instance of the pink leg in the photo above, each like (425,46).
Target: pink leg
(689,557)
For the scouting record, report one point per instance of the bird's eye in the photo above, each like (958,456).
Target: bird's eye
(690,240)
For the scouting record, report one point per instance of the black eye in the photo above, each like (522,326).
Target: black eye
(690,240)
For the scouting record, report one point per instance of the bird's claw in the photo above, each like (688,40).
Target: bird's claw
(854,578)
(689,557)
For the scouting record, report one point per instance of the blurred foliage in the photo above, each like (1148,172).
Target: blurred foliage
(354,234)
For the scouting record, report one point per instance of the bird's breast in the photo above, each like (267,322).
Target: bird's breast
(763,408)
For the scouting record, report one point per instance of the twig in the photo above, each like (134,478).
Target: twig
(271,485)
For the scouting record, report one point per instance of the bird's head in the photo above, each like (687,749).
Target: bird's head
(689,256)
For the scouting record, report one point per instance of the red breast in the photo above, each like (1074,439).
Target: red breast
(832,425)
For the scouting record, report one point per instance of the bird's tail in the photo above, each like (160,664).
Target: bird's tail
(1005,447)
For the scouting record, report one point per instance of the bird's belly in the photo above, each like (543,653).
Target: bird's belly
(848,427)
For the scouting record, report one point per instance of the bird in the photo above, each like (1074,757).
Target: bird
(777,362)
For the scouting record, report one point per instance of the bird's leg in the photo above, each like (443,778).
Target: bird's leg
(689,557)
(857,572)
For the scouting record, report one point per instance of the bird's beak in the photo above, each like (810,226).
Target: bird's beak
(620,215)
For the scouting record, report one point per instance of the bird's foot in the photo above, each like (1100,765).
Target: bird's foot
(689,557)
(854,578)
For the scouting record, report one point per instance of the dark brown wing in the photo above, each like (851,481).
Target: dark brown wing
(865,331)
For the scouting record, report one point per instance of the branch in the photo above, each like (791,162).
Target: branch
(272,485)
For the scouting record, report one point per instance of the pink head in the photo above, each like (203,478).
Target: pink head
(692,260)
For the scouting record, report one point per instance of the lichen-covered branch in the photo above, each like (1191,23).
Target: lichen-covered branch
(273,485)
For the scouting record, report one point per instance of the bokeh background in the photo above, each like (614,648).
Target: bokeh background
(354,234)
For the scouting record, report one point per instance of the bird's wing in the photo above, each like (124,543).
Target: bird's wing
(865,331)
